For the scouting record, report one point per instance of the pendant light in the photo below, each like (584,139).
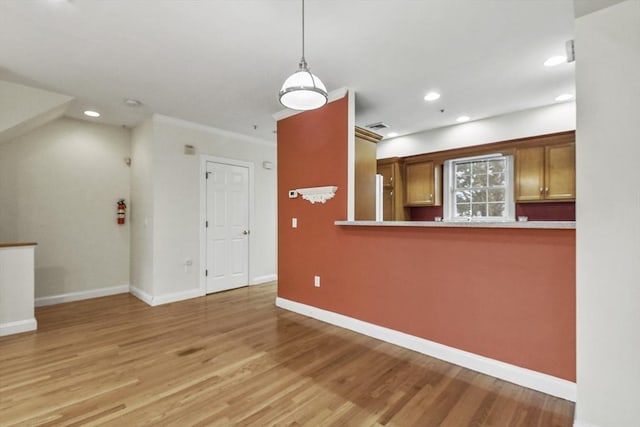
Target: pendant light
(303,90)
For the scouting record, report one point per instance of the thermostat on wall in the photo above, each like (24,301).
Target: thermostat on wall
(293,194)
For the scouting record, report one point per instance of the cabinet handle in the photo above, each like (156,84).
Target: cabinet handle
(541,189)
(546,190)
(390,193)
(430,196)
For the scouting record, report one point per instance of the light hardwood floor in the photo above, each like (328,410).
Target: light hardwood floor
(235,359)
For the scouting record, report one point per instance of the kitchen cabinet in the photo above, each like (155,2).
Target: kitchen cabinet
(392,190)
(365,174)
(546,173)
(422,183)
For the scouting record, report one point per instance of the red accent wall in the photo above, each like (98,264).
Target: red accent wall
(546,211)
(507,294)
(426,213)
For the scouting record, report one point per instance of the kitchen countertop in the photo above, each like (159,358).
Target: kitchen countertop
(11,245)
(464,224)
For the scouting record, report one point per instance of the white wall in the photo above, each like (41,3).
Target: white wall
(177,200)
(25,108)
(175,213)
(521,124)
(608,216)
(16,290)
(58,187)
(141,208)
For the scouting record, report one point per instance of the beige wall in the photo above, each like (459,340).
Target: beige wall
(25,108)
(142,209)
(608,213)
(58,187)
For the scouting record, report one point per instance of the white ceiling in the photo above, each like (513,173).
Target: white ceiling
(222,62)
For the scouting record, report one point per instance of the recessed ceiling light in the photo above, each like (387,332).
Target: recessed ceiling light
(431,96)
(392,134)
(91,113)
(462,119)
(564,97)
(555,60)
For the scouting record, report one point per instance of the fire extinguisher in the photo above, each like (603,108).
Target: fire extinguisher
(122,209)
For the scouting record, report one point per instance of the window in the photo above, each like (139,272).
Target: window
(479,188)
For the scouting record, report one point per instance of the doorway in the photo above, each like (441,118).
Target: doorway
(226,224)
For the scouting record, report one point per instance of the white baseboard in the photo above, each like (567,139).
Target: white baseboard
(141,295)
(18,327)
(264,279)
(514,374)
(77,296)
(165,299)
(178,296)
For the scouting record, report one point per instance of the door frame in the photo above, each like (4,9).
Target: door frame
(204,159)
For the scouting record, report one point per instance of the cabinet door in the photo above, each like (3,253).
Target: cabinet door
(386,170)
(419,184)
(530,174)
(388,204)
(365,179)
(560,172)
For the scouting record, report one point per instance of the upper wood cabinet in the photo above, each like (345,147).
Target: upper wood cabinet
(422,183)
(545,173)
(392,190)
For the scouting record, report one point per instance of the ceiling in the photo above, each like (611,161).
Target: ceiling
(222,62)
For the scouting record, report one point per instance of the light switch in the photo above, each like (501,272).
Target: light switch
(294,222)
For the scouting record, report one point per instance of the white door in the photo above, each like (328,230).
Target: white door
(227,226)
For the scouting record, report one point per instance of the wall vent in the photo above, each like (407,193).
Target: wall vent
(377,126)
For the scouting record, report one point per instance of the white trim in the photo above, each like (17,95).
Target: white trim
(81,295)
(212,130)
(515,374)
(204,158)
(165,299)
(577,423)
(176,296)
(264,279)
(448,196)
(351,156)
(141,295)
(334,95)
(18,327)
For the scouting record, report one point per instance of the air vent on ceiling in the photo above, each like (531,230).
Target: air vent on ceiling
(377,126)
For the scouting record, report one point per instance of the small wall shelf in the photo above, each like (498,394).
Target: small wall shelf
(318,194)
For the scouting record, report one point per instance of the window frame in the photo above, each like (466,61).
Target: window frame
(449,196)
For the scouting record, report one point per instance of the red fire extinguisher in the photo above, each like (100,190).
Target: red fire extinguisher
(122,209)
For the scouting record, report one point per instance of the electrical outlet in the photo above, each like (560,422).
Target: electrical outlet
(316,281)
(294,222)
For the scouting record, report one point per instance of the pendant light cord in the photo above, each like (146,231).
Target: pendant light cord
(303,60)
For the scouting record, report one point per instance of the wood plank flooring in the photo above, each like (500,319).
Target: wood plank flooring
(235,359)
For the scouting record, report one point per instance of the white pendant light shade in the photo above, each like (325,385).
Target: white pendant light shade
(303,91)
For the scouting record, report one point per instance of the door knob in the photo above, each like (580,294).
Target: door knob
(245,232)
